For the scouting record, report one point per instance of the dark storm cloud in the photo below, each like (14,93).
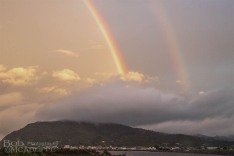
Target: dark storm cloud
(135,106)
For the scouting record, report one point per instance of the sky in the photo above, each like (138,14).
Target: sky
(156,64)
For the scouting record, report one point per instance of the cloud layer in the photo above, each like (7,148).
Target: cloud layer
(210,113)
(112,98)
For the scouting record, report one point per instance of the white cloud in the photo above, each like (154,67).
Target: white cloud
(139,77)
(60,92)
(133,76)
(202,93)
(19,76)
(66,75)
(67,53)
(130,76)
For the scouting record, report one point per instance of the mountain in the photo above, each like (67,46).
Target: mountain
(227,138)
(82,133)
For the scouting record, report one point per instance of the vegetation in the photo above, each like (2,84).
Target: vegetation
(88,134)
(61,152)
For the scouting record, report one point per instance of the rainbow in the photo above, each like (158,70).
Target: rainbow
(115,52)
(169,34)
(173,45)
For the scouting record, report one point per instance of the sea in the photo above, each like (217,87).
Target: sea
(143,153)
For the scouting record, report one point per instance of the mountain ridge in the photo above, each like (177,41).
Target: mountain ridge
(87,133)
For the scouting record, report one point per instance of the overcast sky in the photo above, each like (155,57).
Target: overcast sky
(55,64)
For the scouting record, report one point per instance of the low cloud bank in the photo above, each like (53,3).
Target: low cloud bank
(210,113)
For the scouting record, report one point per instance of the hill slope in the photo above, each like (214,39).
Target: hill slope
(81,133)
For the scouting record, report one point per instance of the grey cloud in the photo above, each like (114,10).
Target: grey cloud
(16,117)
(209,126)
(211,113)
(114,104)
(213,104)
(143,106)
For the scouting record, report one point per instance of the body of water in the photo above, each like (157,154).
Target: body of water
(143,153)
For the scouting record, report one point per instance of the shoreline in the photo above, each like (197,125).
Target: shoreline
(205,152)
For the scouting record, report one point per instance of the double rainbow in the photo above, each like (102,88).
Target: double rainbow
(173,45)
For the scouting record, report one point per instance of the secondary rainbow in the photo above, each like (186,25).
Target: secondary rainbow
(115,52)
(173,45)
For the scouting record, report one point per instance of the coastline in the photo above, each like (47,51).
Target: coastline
(205,152)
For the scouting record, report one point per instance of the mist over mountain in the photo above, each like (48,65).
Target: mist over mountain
(228,138)
(83,133)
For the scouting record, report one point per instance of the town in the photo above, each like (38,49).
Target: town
(55,147)
(164,147)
